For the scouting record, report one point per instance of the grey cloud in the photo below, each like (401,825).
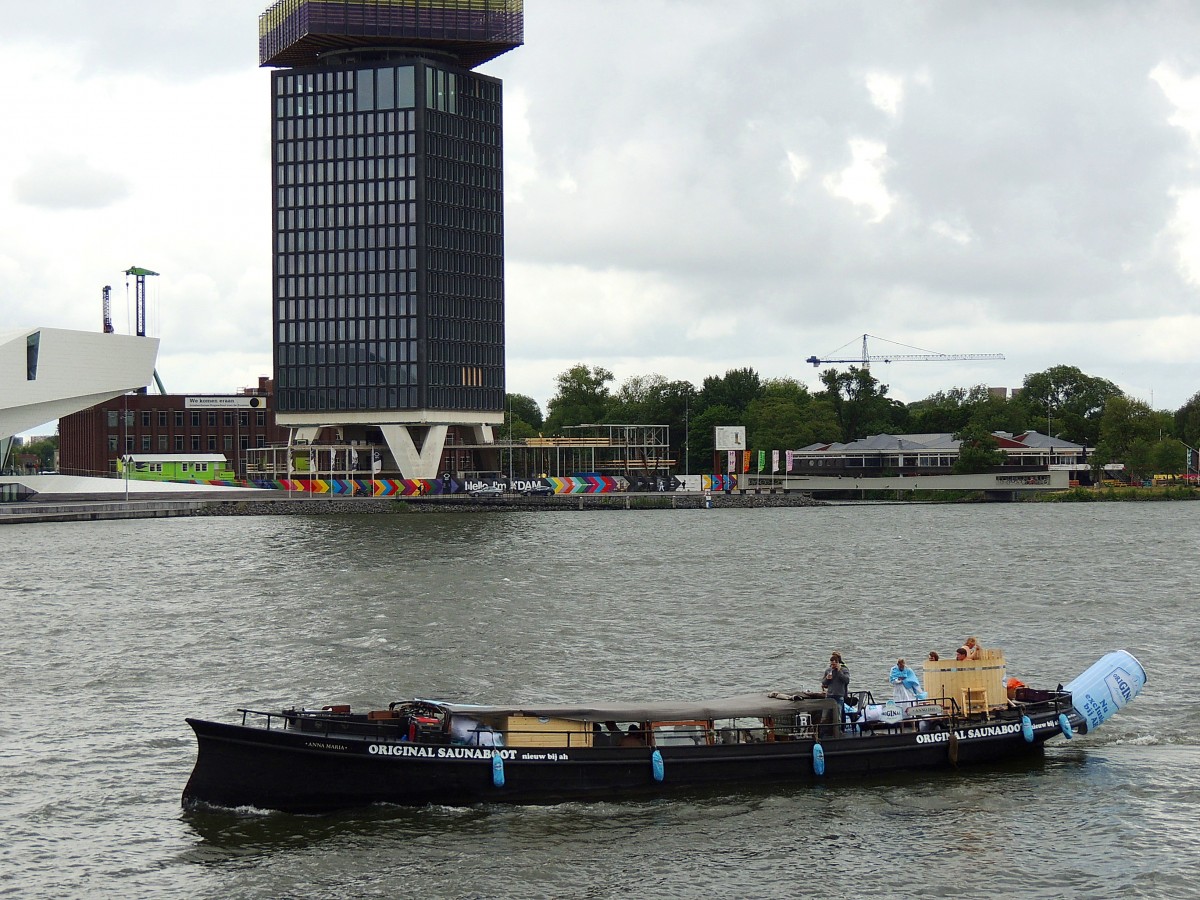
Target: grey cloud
(170,40)
(67,183)
(1039,129)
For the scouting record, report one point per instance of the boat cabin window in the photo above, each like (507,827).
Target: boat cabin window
(740,731)
(694,733)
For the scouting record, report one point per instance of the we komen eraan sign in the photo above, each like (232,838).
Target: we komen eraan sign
(229,401)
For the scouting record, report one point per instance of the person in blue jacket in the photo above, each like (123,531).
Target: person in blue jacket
(905,684)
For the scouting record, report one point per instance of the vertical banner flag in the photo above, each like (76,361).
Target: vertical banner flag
(762,460)
(732,461)
(790,460)
(774,461)
(746,460)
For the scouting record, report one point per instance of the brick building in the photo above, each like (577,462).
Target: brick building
(91,441)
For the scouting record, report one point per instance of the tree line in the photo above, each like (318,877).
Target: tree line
(783,414)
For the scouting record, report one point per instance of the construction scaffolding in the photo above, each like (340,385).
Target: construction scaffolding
(633,452)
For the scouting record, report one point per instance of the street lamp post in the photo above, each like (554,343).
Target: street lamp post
(687,460)
(1190,462)
(125,440)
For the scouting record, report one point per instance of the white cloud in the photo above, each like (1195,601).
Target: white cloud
(1184,94)
(1184,226)
(887,91)
(958,232)
(861,182)
(798,166)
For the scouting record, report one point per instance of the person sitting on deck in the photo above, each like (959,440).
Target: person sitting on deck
(635,737)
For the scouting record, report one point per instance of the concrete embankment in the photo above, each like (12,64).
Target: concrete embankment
(96,510)
(81,510)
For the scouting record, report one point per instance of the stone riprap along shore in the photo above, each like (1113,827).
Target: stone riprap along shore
(315,506)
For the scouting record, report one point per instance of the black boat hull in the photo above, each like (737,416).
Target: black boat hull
(304,772)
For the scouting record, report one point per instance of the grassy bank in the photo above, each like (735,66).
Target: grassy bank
(1120,494)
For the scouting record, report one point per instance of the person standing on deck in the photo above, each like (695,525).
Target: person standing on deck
(836,682)
(905,684)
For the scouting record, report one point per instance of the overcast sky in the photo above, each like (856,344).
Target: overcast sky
(690,186)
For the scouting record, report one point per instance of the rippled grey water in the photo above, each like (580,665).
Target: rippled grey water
(113,632)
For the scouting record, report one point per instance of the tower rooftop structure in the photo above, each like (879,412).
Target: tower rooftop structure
(471,32)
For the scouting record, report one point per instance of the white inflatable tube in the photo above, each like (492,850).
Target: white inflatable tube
(1110,683)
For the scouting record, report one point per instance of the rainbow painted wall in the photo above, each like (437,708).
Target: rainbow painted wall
(422,487)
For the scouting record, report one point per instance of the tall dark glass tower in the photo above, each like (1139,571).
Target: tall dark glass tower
(388,228)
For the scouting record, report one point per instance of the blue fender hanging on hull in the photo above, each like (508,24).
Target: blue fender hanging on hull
(1110,683)
(1027,729)
(818,759)
(656,766)
(1064,725)
(497,769)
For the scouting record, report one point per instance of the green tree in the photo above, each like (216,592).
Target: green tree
(787,417)
(582,398)
(1187,422)
(978,452)
(671,404)
(822,424)
(951,411)
(1068,402)
(652,400)
(786,389)
(523,409)
(860,404)
(634,401)
(1139,461)
(1099,458)
(522,418)
(735,389)
(998,414)
(1169,457)
(774,423)
(1126,420)
(44,450)
(946,411)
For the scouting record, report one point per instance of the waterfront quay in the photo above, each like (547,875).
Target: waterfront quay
(83,510)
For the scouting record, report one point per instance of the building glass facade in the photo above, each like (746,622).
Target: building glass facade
(388,237)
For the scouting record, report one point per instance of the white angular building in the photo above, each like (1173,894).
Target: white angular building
(47,373)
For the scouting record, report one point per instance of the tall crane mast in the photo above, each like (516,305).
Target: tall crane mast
(108,325)
(866,358)
(140,276)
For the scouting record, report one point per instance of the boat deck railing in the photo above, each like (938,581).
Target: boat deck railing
(937,713)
